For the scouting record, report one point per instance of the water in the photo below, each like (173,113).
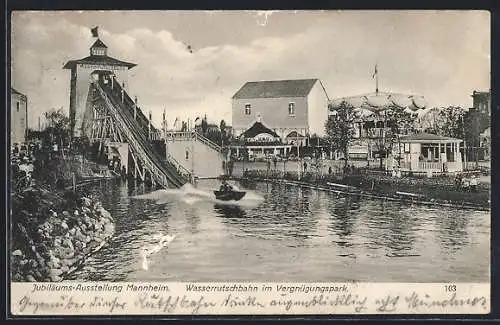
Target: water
(284,233)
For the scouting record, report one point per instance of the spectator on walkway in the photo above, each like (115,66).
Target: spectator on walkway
(458,182)
(305,166)
(330,170)
(473,183)
(230,165)
(275,160)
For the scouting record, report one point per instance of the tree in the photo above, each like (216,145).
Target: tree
(452,124)
(204,125)
(58,126)
(339,129)
(397,121)
(430,121)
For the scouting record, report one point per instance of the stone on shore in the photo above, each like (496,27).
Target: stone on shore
(61,242)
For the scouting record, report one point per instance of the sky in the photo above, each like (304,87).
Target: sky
(441,55)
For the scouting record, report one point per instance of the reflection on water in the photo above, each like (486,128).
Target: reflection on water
(279,232)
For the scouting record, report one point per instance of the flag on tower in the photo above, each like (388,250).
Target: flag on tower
(375,73)
(189,47)
(95,31)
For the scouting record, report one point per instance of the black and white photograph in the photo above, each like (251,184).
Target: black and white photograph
(268,146)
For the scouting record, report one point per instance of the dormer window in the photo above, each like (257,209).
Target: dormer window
(291,109)
(248,109)
(98,51)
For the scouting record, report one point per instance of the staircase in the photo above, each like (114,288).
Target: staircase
(135,132)
(196,153)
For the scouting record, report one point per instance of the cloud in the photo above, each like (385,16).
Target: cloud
(442,57)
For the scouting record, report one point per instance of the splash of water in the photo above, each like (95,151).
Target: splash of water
(160,241)
(190,195)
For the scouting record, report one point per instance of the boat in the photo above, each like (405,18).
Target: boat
(229,195)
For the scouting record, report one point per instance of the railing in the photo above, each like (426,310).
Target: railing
(140,118)
(180,168)
(405,165)
(207,142)
(138,143)
(429,165)
(145,140)
(182,135)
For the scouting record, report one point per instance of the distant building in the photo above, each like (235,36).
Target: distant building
(479,116)
(481,101)
(18,117)
(287,107)
(485,142)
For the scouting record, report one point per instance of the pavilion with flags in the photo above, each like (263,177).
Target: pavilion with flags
(375,113)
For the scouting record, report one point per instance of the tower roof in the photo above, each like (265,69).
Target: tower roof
(98,56)
(98,60)
(98,43)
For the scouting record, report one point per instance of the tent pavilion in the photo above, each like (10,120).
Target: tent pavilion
(374,112)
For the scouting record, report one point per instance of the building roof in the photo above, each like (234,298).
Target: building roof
(379,101)
(98,43)
(98,60)
(294,134)
(427,137)
(275,89)
(480,93)
(258,128)
(15,92)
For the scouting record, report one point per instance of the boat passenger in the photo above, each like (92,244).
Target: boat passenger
(225,187)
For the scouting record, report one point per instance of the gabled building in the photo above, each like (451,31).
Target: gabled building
(18,116)
(287,107)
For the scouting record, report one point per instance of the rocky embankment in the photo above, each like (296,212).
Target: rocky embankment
(51,240)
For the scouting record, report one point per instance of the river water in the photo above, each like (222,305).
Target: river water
(281,233)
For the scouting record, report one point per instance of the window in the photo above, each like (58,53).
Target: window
(17,106)
(291,109)
(248,109)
